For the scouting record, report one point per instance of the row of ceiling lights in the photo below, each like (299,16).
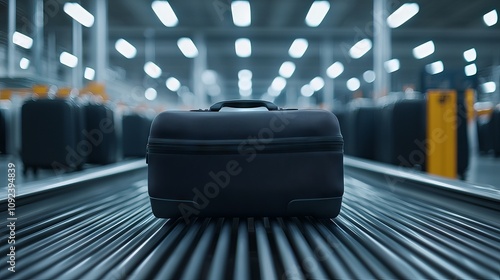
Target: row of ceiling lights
(241,13)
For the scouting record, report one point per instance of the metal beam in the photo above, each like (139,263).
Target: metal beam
(382,48)
(100,39)
(11,55)
(77,72)
(38,37)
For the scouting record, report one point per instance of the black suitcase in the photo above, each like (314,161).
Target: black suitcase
(3,131)
(101,133)
(245,163)
(401,139)
(135,135)
(51,135)
(362,132)
(495,129)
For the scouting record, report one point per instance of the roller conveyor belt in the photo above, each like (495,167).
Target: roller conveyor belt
(104,229)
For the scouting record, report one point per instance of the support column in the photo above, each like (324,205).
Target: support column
(52,56)
(100,39)
(199,65)
(77,51)
(382,50)
(38,38)
(11,63)
(149,47)
(326,57)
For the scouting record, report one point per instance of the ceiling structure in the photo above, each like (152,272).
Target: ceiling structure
(454,26)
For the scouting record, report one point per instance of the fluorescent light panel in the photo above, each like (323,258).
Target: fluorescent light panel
(79,14)
(317,13)
(470,70)
(187,47)
(489,87)
(68,59)
(369,76)
(173,84)
(435,67)
(360,48)
(491,18)
(278,84)
(391,65)
(165,13)
(245,93)
(89,73)
(22,40)
(243,47)
(470,55)
(353,84)
(153,70)
(287,69)
(335,70)
(424,50)
(245,84)
(245,74)
(317,83)
(242,15)
(209,77)
(24,63)
(402,15)
(125,48)
(298,48)
(150,94)
(306,90)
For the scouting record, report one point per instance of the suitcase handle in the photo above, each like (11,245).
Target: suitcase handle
(244,104)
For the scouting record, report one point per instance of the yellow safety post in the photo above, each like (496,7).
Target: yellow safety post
(469,103)
(442,131)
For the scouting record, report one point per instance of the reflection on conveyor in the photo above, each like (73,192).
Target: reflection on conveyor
(108,231)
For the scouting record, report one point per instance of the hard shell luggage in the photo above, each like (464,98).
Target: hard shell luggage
(101,134)
(277,162)
(495,128)
(51,135)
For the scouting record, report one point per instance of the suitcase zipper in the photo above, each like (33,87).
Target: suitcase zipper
(287,145)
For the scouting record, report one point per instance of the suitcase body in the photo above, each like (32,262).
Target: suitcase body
(101,134)
(251,163)
(495,129)
(51,132)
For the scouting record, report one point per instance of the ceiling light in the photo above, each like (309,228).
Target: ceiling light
(491,18)
(353,84)
(317,13)
(278,84)
(470,55)
(245,74)
(245,93)
(165,13)
(22,40)
(24,63)
(435,67)
(153,70)
(214,90)
(306,90)
(360,48)
(243,47)
(402,15)
(245,84)
(317,83)
(150,94)
(242,15)
(287,69)
(470,70)
(489,87)
(89,73)
(391,65)
(335,70)
(298,48)
(173,84)
(424,50)
(187,47)
(68,59)
(209,77)
(79,14)
(272,92)
(369,76)
(125,48)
